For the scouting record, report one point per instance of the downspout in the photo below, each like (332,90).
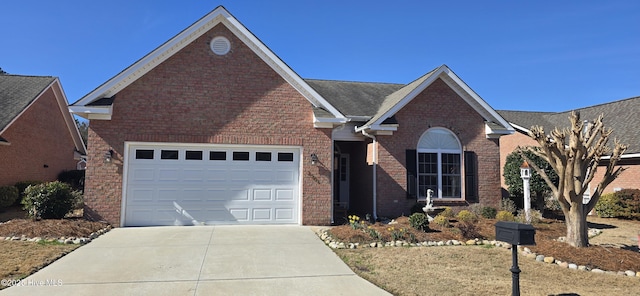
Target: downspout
(375,164)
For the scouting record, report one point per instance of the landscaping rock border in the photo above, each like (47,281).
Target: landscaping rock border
(323,233)
(62,240)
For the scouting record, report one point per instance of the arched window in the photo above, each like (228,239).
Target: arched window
(439,164)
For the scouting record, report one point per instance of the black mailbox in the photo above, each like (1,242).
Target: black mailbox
(515,233)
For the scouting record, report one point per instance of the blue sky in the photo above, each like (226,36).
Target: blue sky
(517,55)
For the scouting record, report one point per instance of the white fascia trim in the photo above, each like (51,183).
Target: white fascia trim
(384,127)
(327,122)
(93,112)
(496,133)
(477,99)
(519,128)
(624,156)
(169,48)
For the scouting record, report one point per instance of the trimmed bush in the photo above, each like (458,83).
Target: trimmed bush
(22,185)
(489,212)
(8,196)
(447,212)
(622,204)
(51,200)
(441,221)
(630,199)
(419,221)
(467,216)
(505,216)
(609,206)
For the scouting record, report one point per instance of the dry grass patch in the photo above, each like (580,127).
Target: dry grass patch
(474,270)
(20,259)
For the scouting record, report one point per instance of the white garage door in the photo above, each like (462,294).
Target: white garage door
(211,184)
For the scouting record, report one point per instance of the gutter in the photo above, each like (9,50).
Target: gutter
(375,165)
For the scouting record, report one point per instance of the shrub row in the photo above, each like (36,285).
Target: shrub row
(621,204)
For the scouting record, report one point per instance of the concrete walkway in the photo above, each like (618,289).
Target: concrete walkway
(200,260)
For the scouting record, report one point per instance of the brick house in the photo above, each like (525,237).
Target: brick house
(38,136)
(621,116)
(213,128)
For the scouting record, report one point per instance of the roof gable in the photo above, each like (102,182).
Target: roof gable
(220,15)
(18,93)
(495,124)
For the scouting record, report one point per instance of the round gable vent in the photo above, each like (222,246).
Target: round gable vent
(220,45)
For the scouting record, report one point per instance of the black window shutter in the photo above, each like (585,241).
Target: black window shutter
(470,176)
(412,173)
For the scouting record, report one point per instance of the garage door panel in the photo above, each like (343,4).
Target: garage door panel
(217,184)
(284,194)
(141,194)
(216,175)
(240,214)
(193,195)
(193,175)
(286,176)
(143,174)
(216,195)
(168,194)
(262,194)
(169,174)
(285,214)
(263,175)
(262,214)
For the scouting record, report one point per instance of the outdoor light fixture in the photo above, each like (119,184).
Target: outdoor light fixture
(108,156)
(314,159)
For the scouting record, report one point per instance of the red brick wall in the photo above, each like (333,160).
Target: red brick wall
(629,179)
(198,97)
(38,137)
(437,106)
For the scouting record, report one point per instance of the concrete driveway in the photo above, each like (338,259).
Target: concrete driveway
(199,260)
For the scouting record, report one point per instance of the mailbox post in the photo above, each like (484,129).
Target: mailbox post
(515,234)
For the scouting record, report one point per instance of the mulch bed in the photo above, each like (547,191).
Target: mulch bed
(547,231)
(50,228)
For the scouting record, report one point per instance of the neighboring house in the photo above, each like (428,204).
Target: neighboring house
(621,116)
(38,136)
(212,127)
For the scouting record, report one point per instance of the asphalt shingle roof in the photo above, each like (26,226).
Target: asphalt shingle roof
(354,98)
(621,116)
(17,92)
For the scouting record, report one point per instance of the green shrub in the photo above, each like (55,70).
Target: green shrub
(441,221)
(466,216)
(609,206)
(489,212)
(22,185)
(447,212)
(630,199)
(8,196)
(50,200)
(419,221)
(505,216)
